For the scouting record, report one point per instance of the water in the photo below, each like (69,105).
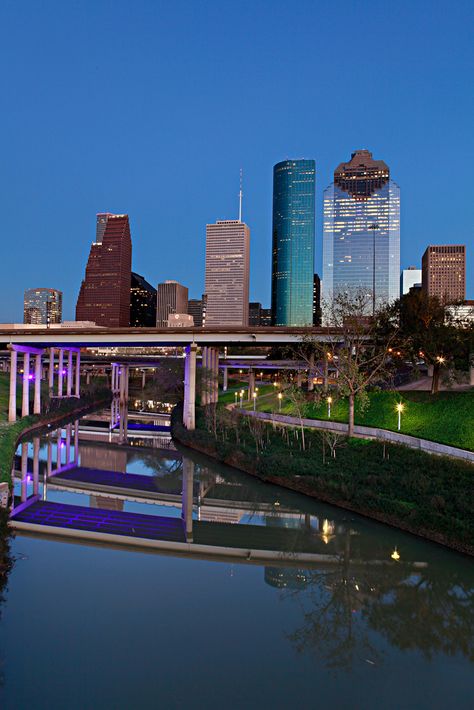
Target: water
(89,625)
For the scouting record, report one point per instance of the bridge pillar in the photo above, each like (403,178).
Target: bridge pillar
(189,408)
(60,371)
(226,377)
(204,376)
(51,372)
(187,498)
(77,384)
(36,450)
(25,401)
(311,373)
(251,387)
(13,375)
(24,472)
(68,444)
(123,428)
(37,401)
(69,374)
(143,379)
(215,375)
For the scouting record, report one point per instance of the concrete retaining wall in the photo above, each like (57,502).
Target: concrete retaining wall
(366,432)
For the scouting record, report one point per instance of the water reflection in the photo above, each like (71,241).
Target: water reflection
(358,600)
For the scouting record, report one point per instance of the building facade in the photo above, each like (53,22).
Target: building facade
(361,233)
(293,230)
(408,278)
(142,302)
(180,320)
(444,272)
(104,297)
(172,297)
(255,311)
(227,273)
(317,300)
(42,306)
(197,309)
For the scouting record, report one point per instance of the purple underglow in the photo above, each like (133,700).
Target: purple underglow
(28,478)
(30,377)
(62,444)
(64,372)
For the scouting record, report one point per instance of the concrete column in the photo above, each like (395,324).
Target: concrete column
(251,387)
(24,472)
(325,373)
(77,388)
(58,450)
(216,375)
(225,377)
(187,498)
(311,373)
(189,409)
(204,377)
(37,402)
(49,461)
(51,372)
(12,398)
(143,379)
(76,442)
(68,444)
(25,402)
(36,450)
(60,372)
(69,373)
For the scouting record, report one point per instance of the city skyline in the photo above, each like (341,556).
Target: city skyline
(182,115)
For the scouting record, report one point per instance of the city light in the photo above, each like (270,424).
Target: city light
(280,397)
(329,401)
(395,555)
(399,408)
(254,395)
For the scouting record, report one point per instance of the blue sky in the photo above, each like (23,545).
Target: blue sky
(151,108)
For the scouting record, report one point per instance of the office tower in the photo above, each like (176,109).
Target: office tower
(104,297)
(316,300)
(142,303)
(197,309)
(227,273)
(444,272)
(293,242)
(43,305)
(361,233)
(255,311)
(266,317)
(172,297)
(408,278)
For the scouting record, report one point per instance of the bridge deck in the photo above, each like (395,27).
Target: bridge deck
(97,478)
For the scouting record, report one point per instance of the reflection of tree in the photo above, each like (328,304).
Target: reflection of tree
(6,561)
(428,609)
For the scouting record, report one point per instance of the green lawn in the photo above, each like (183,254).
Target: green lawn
(234,386)
(447,418)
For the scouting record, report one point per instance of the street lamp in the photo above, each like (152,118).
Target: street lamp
(399,408)
(280,397)
(235,396)
(329,401)
(241,397)
(395,555)
(254,395)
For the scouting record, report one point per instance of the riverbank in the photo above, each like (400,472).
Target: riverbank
(445,418)
(432,497)
(11,433)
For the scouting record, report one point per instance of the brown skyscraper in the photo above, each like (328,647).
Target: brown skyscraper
(104,297)
(443,272)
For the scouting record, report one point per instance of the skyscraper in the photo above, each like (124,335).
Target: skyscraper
(227,273)
(408,278)
(43,306)
(142,303)
(172,297)
(361,232)
(104,297)
(255,310)
(444,272)
(316,300)
(197,309)
(293,242)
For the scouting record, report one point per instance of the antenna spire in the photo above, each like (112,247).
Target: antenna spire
(240,195)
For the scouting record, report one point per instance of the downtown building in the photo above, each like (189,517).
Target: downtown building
(142,302)
(42,306)
(443,270)
(227,273)
(409,278)
(104,297)
(361,234)
(197,309)
(293,231)
(172,298)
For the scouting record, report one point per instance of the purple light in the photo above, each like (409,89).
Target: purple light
(63,372)
(62,444)
(30,377)
(28,478)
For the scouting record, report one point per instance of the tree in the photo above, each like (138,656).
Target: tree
(357,347)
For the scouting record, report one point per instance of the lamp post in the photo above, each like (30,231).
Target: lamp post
(235,397)
(241,397)
(399,408)
(329,401)
(280,397)
(254,395)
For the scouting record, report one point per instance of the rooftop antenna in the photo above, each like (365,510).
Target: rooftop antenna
(240,196)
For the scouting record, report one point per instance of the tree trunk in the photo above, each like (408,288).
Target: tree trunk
(351,416)
(435,378)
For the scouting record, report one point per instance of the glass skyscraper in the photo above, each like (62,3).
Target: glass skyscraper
(293,242)
(43,306)
(361,233)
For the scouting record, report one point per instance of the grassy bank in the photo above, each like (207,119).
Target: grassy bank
(447,418)
(426,495)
